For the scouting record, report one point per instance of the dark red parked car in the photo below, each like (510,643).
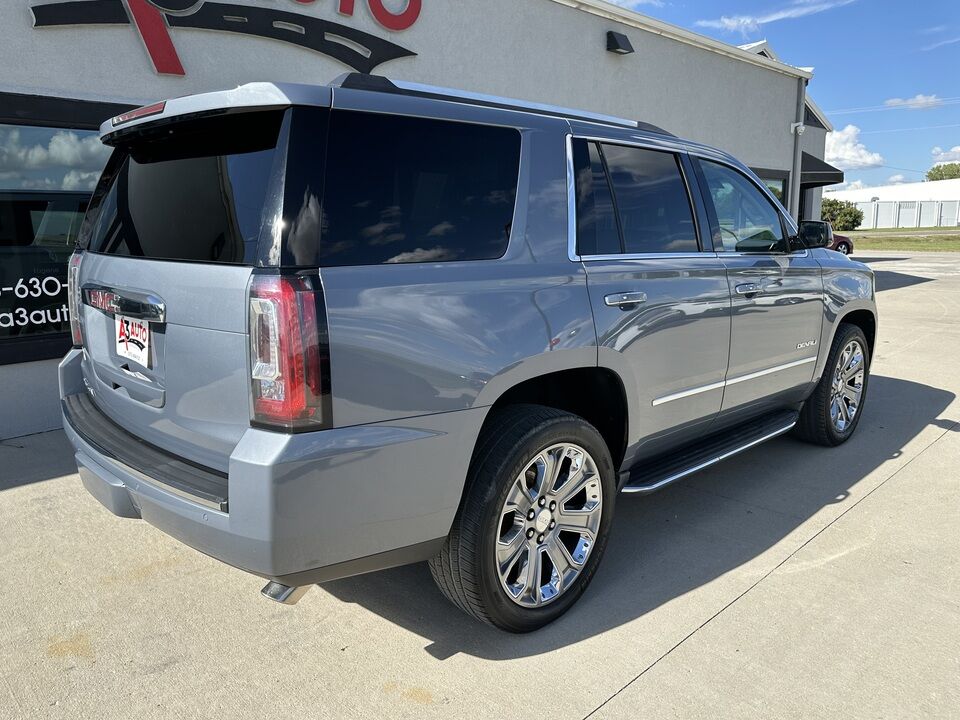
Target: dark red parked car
(814,228)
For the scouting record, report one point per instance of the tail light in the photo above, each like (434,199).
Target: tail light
(289,353)
(73,298)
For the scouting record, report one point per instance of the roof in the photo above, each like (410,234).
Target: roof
(763,48)
(632,18)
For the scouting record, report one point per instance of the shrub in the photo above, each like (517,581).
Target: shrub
(843,215)
(949,171)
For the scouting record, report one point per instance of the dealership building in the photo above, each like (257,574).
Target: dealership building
(70,65)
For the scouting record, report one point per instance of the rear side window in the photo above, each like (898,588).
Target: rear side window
(631,200)
(194,191)
(405,190)
(655,211)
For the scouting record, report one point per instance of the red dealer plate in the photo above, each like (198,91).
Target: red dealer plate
(133,339)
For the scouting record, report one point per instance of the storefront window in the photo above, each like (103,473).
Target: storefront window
(46,176)
(776,186)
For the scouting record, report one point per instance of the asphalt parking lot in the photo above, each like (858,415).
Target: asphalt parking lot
(790,582)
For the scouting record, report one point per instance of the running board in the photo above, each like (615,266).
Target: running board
(651,475)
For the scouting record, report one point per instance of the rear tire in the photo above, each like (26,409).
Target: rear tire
(511,557)
(844,249)
(831,414)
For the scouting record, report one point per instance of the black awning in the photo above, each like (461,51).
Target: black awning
(814,172)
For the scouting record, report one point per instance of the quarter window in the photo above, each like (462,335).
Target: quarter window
(747,220)
(597,231)
(406,190)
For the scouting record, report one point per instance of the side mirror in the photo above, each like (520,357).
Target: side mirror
(816,233)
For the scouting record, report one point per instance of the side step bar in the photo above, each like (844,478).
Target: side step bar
(651,475)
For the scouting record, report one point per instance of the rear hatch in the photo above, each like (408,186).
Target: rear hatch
(187,208)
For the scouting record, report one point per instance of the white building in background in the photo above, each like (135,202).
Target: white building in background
(909,205)
(937,190)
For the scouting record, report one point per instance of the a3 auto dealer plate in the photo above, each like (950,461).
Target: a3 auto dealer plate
(133,339)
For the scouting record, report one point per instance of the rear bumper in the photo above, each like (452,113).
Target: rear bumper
(302,508)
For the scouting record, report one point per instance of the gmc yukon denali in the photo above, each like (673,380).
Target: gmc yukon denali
(321,331)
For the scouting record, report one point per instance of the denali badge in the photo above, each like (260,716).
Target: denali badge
(808,343)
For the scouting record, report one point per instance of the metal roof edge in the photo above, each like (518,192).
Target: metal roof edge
(658,27)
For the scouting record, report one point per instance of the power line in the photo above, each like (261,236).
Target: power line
(907,104)
(910,129)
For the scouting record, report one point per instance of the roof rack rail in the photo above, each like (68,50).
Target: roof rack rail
(378,83)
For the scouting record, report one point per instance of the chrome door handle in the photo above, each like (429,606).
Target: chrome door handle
(749,289)
(625,299)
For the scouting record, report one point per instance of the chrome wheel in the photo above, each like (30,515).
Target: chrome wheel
(548,525)
(847,388)
(844,249)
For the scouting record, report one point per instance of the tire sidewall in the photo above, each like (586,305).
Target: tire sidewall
(503,610)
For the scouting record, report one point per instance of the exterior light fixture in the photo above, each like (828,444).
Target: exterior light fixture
(618,43)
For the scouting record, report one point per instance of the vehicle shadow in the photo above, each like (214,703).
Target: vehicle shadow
(665,545)
(891,280)
(35,458)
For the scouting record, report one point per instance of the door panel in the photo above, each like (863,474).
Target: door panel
(674,345)
(771,328)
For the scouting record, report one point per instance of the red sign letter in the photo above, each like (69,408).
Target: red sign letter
(402,21)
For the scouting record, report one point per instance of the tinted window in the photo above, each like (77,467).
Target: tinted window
(748,221)
(652,199)
(403,190)
(597,231)
(194,192)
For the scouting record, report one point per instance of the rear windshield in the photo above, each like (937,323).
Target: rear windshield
(192,191)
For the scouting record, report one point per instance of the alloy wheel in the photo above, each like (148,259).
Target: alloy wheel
(548,525)
(847,388)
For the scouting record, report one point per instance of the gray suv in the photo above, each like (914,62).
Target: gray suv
(321,331)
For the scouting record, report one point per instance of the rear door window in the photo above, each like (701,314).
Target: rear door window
(651,196)
(194,191)
(597,229)
(406,190)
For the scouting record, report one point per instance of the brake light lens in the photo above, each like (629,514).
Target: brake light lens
(73,298)
(289,353)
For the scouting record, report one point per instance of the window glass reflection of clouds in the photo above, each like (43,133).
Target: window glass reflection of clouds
(36,158)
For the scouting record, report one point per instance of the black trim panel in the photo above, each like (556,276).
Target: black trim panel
(159,466)
(55,112)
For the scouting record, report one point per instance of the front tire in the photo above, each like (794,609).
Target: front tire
(831,414)
(533,522)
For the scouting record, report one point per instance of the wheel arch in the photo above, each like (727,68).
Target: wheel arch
(594,393)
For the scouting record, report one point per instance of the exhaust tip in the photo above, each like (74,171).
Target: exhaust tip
(284,594)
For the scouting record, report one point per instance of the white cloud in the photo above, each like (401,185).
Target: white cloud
(934,30)
(64,150)
(637,4)
(437,254)
(79,180)
(746,24)
(941,44)
(852,185)
(941,156)
(897,179)
(917,102)
(845,151)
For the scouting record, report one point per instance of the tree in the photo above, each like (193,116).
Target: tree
(949,171)
(841,214)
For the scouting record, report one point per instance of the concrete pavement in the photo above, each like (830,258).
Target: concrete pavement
(791,581)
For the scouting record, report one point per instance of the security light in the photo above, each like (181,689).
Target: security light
(618,43)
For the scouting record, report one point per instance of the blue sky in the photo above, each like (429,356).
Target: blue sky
(887,72)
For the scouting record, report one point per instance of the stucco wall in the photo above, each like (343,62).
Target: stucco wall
(533,49)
